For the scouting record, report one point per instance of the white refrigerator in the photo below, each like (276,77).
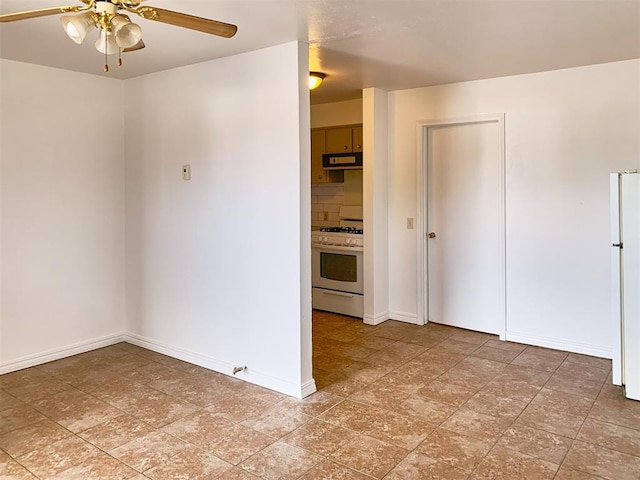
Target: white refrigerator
(625,262)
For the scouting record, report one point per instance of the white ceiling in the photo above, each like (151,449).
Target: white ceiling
(390,44)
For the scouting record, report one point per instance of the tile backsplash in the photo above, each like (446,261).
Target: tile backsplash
(326,201)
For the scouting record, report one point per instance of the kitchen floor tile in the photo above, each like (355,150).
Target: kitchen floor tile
(622,439)
(384,425)
(460,451)
(236,473)
(32,391)
(420,466)
(477,425)
(116,432)
(603,462)
(280,461)
(496,354)
(368,455)
(538,362)
(8,401)
(219,435)
(319,437)
(509,464)
(277,421)
(20,416)
(497,406)
(587,360)
(32,437)
(192,464)
(446,393)
(562,402)
(76,410)
(328,470)
(394,401)
(552,421)
(12,470)
(585,372)
(150,450)
(313,405)
(575,385)
(566,473)
(58,457)
(535,442)
(616,409)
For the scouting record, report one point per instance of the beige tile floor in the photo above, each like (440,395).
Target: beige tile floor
(395,401)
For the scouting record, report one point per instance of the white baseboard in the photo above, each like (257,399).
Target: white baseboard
(250,375)
(376,319)
(404,317)
(58,353)
(560,344)
(308,388)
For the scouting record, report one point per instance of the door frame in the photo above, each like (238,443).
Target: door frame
(423,209)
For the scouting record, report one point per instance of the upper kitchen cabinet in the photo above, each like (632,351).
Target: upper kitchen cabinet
(339,140)
(318,174)
(357,138)
(343,139)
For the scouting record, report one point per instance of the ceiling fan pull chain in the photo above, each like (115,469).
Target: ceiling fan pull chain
(119,57)
(106,58)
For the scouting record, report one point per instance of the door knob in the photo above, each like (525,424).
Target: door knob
(431,235)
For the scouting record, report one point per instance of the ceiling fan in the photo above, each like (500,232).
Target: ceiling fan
(117,33)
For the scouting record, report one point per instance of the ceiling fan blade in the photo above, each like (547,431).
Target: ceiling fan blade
(138,46)
(200,24)
(12,17)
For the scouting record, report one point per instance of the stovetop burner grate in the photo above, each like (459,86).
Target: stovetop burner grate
(342,230)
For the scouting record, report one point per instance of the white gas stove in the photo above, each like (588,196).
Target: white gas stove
(349,237)
(337,266)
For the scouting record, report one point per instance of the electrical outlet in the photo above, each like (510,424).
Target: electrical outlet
(186,172)
(326,216)
(410,223)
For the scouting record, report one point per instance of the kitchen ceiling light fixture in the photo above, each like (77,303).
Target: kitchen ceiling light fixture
(315,79)
(117,32)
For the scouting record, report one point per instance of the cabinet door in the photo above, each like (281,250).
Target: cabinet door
(317,149)
(357,139)
(338,140)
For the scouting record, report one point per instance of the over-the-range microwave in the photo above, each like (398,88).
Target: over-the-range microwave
(342,161)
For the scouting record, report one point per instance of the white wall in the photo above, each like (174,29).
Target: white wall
(214,276)
(338,113)
(375,202)
(62,213)
(565,131)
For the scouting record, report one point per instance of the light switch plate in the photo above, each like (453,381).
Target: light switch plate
(410,223)
(186,172)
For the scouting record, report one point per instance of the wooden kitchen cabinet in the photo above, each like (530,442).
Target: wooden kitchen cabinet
(339,140)
(357,138)
(318,174)
(332,140)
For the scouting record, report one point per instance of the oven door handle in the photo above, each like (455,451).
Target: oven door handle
(336,248)
(337,294)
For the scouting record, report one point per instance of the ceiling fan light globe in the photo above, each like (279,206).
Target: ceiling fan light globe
(127,34)
(77,26)
(110,44)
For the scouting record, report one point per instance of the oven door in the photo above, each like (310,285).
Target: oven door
(337,268)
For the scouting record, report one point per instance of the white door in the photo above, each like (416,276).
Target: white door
(465,259)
